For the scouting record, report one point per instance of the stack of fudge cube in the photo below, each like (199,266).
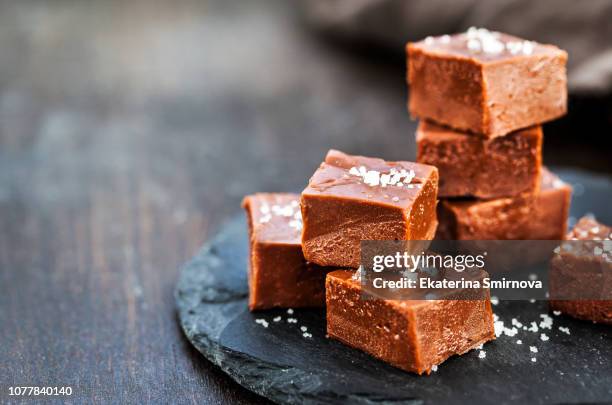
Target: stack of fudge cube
(481,97)
(305,252)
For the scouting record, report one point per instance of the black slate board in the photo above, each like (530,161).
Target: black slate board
(279,363)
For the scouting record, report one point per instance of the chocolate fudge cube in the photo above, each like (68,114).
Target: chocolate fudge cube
(486,82)
(278,274)
(475,166)
(414,335)
(581,273)
(355,198)
(539,217)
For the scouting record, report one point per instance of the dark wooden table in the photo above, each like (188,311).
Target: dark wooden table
(128,133)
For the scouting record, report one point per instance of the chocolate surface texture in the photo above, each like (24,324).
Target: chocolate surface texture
(475,166)
(412,335)
(355,198)
(584,273)
(486,82)
(279,276)
(539,217)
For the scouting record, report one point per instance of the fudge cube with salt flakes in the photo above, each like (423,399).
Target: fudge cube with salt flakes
(278,274)
(486,82)
(355,198)
(581,273)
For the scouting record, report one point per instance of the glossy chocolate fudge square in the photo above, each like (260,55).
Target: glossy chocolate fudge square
(355,198)
(278,274)
(475,166)
(539,217)
(414,335)
(581,273)
(486,82)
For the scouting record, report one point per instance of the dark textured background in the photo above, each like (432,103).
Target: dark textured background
(130,130)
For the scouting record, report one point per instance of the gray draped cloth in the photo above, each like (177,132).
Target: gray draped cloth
(583,28)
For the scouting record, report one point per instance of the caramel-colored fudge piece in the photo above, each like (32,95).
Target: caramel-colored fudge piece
(411,335)
(475,166)
(278,274)
(581,275)
(355,198)
(486,82)
(539,217)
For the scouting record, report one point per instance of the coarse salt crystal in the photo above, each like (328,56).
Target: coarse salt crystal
(303,328)
(291,320)
(519,342)
(482,354)
(543,337)
(434,368)
(494,300)
(290,311)
(533,349)
(277,319)
(533,359)
(556,313)
(564,329)
(306,335)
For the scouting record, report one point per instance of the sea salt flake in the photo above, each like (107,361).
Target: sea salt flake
(291,320)
(372,178)
(482,354)
(556,313)
(519,342)
(303,328)
(434,368)
(543,337)
(474,45)
(564,329)
(277,319)
(499,328)
(533,359)
(494,300)
(533,349)
(262,322)
(547,321)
